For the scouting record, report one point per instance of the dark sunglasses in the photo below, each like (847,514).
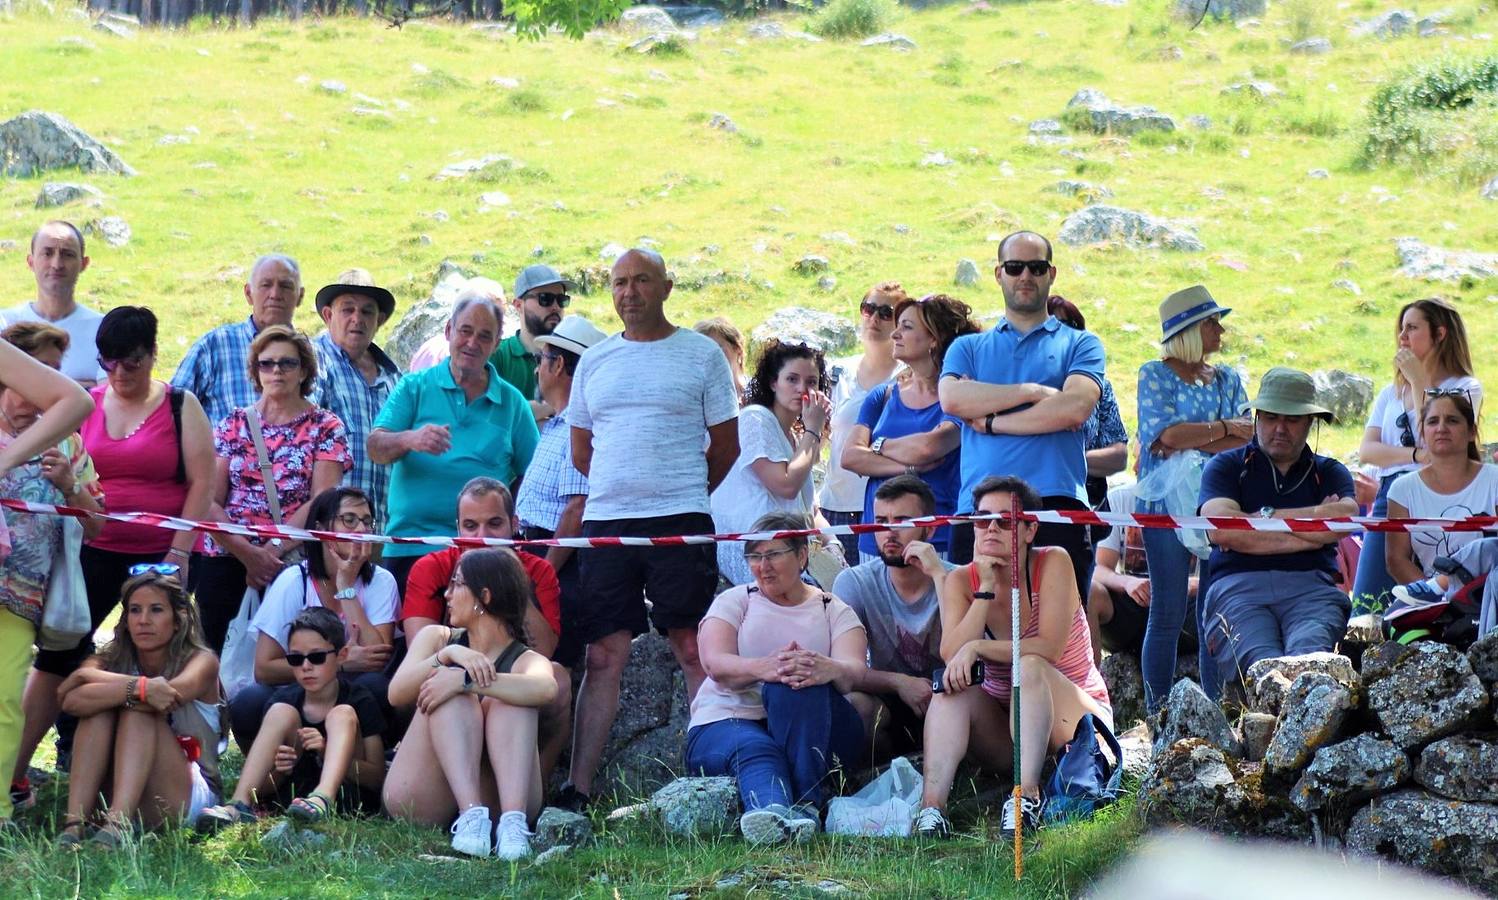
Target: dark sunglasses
(131,364)
(1406,436)
(316,657)
(155,568)
(989,524)
(1037,267)
(547,300)
(284,364)
(884,311)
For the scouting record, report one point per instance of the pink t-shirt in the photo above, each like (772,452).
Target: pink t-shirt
(138,474)
(764,627)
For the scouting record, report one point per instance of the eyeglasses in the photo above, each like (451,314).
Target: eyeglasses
(284,364)
(548,299)
(154,568)
(457,581)
(752,558)
(354,520)
(884,311)
(990,524)
(1037,267)
(316,657)
(130,364)
(1406,436)
(548,357)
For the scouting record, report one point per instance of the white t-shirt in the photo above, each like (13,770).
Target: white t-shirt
(843,490)
(1480,498)
(1120,500)
(81,361)
(742,497)
(649,405)
(765,627)
(293,591)
(1387,407)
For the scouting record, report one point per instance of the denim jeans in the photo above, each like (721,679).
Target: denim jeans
(784,758)
(1373,582)
(1169,566)
(849,541)
(1261,615)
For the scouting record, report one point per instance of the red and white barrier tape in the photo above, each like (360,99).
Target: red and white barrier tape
(1345,524)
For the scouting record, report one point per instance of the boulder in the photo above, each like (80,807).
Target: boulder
(660,41)
(1311,46)
(427,317)
(967,274)
(646,745)
(114,28)
(1188,713)
(560,828)
(770,31)
(59,193)
(1089,192)
(1350,772)
(1395,23)
(811,264)
(1490,190)
(1483,657)
(1257,90)
(936,160)
(721,122)
(1234,10)
(36,142)
(1102,115)
(698,807)
(1199,121)
(1135,744)
(1314,712)
(695,16)
(1257,730)
(1420,260)
(1348,285)
(646,20)
(1125,687)
(1429,693)
(1348,396)
(835,335)
(114,230)
(1268,693)
(490,167)
(1464,767)
(1335,665)
(1097,224)
(1446,837)
(1193,782)
(891,41)
(332,86)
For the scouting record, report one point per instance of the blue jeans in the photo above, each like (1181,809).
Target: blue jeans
(1261,615)
(849,541)
(1372,584)
(785,757)
(1169,566)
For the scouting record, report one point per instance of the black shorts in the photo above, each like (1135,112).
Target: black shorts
(1124,633)
(679,581)
(906,728)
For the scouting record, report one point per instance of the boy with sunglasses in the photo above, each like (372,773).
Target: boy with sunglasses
(541,299)
(319,748)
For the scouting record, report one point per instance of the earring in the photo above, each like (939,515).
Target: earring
(478,608)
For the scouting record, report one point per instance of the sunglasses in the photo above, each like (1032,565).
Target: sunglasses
(154,568)
(884,311)
(1406,436)
(547,300)
(131,364)
(1013,267)
(1432,393)
(284,364)
(752,558)
(316,657)
(990,524)
(351,521)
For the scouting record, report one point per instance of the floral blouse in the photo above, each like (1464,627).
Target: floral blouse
(36,538)
(1105,426)
(1166,400)
(293,448)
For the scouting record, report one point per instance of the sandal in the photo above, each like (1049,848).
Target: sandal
(111,835)
(312,808)
(71,835)
(213,818)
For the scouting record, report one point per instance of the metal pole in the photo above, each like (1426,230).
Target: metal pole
(1014,637)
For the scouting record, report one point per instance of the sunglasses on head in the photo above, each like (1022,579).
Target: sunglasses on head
(1432,393)
(284,364)
(154,568)
(1037,267)
(884,311)
(131,364)
(548,299)
(316,657)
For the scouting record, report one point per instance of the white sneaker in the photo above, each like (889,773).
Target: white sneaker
(931,822)
(1028,818)
(471,832)
(766,825)
(512,839)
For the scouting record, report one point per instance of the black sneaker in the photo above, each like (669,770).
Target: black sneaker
(932,823)
(1029,815)
(571,799)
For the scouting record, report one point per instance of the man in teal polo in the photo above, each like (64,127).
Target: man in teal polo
(541,299)
(447,424)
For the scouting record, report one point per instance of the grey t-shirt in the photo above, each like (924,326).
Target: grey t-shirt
(904,637)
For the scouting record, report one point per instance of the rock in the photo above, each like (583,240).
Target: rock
(1188,713)
(114,230)
(1257,730)
(1350,772)
(1418,260)
(1125,687)
(59,193)
(35,142)
(1490,190)
(1103,115)
(1430,693)
(827,283)
(698,806)
(1268,693)
(332,86)
(1483,657)
(1045,126)
(1430,26)
(1348,396)
(967,273)
(722,123)
(769,31)
(370,112)
(1097,224)
(1449,838)
(284,835)
(660,41)
(1464,767)
(489,167)
(1236,10)
(1348,285)
(558,827)
(491,199)
(427,317)
(811,264)
(1193,782)
(1319,174)
(1199,121)
(695,16)
(114,28)
(1313,714)
(1311,46)
(646,745)
(1258,90)
(1086,190)
(646,19)
(551,854)
(890,40)
(1135,744)
(936,159)
(835,335)
(1395,23)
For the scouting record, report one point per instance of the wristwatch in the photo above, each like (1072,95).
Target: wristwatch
(877,446)
(347,593)
(1266,512)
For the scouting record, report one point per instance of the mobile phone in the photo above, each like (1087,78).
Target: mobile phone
(938,678)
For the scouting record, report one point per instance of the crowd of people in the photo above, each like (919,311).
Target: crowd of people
(343,661)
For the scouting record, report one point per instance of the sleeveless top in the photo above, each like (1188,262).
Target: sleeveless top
(1076,660)
(138,473)
(507,657)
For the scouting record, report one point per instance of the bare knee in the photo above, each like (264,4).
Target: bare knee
(1034,671)
(607,656)
(340,718)
(684,645)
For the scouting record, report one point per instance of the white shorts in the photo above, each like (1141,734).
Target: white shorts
(202,796)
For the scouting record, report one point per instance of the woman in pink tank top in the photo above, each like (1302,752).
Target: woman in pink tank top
(1058,681)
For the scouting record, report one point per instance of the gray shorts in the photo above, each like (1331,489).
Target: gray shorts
(1260,615)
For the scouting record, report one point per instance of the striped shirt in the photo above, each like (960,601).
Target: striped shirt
(552,479)
(342,389)
(215,370)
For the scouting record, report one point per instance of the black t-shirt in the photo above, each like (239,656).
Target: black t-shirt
(366,707)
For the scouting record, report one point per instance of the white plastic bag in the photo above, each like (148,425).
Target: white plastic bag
(65,615)
(884,808)
(236,668)
(1177,483)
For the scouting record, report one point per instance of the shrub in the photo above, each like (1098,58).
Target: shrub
(1304,18)
(846,19)
(1435,116)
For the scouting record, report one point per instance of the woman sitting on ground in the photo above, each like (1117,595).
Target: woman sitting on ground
(478,691)
(148,710)
(780,656)
(1058,681)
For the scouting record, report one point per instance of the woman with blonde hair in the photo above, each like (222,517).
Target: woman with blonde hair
(731,341)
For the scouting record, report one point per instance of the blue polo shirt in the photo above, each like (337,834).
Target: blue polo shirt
(1055,464)
(495,435)
(1247,477)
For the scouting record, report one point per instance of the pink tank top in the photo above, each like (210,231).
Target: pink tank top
(138,474)
(1076,660)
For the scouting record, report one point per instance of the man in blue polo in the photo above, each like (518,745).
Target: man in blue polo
(1025,389)
(444,425)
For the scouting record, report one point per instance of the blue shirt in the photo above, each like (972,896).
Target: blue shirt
(885,415)
(342,389)
(1055,464)
(216,370)
(1166,400)
(552,479)
(495,435)
(1247,477)
(1105,426)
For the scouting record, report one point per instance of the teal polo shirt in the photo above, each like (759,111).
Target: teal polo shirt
(495,435)
(516,365)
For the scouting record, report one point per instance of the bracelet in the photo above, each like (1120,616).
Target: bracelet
(988,423)
(129,697)
(140,689)
(983,595)
(1414,452)
(910,470)
(1224,427)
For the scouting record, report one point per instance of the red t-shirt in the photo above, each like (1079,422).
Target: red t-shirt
(426,586)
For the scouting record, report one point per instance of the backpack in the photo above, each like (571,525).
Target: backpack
(1452,621)
(1084,781)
